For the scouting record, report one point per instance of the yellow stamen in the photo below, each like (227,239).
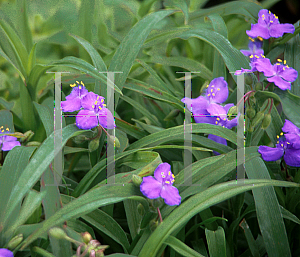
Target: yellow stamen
(277,136)
(281,133)
(216,123)
(104,104)
(96,102)
(283,68)
(2,130)
(256,56)
(260,38)
(77,82)
(284,62)
(7,129)
(218,89)
(271,21)
(287,66)
(79,87)
(277,142)
(93,106)
(213,94)
(288,143)
(72,85)
(81,83)
(269,12)
(218,118)
(279,60)
(102,100)
(207,86)
(169,173)
(213,86)
(263,56)
(173,176)
(173,180)
(277,63)
(251,56)
(211,90)
(167,182)
(1,127)
(100,107)
(281,145)
(208,95)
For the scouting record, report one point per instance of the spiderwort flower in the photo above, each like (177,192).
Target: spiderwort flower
(283,148)
(255,48)
(293,133)
(269,26)
(216,92)
(73,100)
(161,185)
(6,253)
(253,62)
(94,113)
(279,73)
(7,142)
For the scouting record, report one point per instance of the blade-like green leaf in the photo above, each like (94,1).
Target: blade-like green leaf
(216,242)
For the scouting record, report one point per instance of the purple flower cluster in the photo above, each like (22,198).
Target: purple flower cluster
(207,109)
(6,253)
(288,146)
(268,26)
(7,142)
(91,107)
(161,185)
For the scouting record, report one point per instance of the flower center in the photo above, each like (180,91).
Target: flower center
(211,91)
(98,104)
(167,178)
(282,142)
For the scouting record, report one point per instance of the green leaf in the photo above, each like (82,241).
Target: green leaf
(7,105)
(216,242)
(262,96)
(42,251)
(181,247)
(31,59)
(129,48)
(250,239)
(269,216)
(33,171)
(7,120)
(211,196)
(182,5)
(46,117)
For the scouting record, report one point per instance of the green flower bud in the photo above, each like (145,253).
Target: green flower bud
(266,121)
(248,79)
(114,140)
(80,139)
(250,113)
(15,241)
(232,112)
(33,143)
(58,233)
(27,136)
(258,118)
(136,180)
(172,115)
(141,209)
(93,145)
(86,237)
(241,120)
(258,86)
(153,224)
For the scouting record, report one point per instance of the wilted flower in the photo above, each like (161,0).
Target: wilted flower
(6,253)
(293,133)
(269,26)
(94,113)
(73,100)
(161,185)
(7,142)
(283,148)
(279,73)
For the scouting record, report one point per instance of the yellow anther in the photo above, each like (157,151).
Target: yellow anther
(283,68)
(288,143)
(277,63)
(79,87)
(284,62)
(287,66)
(256,56)
(98,97)
(216,123)
(96,102)
(167,182)
(263,56)
(211,90)
(277,136)
(251,56)
(251,39)
(269,12)
(104,104)
(1,127)
(173,180)
(276,17)
(81,83)
(169,173)
(173,176)
(207,86)
(213,86)
(263,15)
(100,107)
(218,89)
(260,38)
(281,145)
(93,106)
(271,21)
(163,176)
(281,133)
(223,126)
(162,173)
(218,118)
(208,95)
(72,85)
(277,142)
(102,100)
(279,60)
(2,130)
(213,94)
(7,129)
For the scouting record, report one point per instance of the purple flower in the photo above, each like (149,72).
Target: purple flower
(269,26)
(161,185)
(283,148)
(7,142)
(253,63)
(293,133)
(255,49)
(279,73)
(73,100)
(216,92)
(94,113)
(6,253)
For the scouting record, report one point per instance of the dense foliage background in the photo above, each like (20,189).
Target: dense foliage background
(149,42)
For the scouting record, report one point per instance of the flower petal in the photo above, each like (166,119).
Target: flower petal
(217,110)
(86,119)
(289,127)
(258,30)
(232,123)
(204,117)
(71,105)
(227,107)
(6,253)
(9,143)
(279,82)
(246,52)
(196,105)
(106,119)
(220,89)
(150,187)
(264,65)
(171,195)
(292,157)
(289,74)
(277,30)
(217,139)
(88,101)
(162,170)
(270,153)
(293,139)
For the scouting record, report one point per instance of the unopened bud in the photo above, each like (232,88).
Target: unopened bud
(153,224)
(58,233)
(141,209)
(80,139)
(258,86)
(27,136)
(241,120)
(33,143)
(15,241)
(250,113)
(266,121)
(248,79)
(114,140)
(258,118)
(136,180)
(86,237)
(232,112)
(172,115)
(93,145)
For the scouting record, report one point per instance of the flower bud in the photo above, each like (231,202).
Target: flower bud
(258,118)
(15,241)
(172,115)
(93,145)
(58,233)
(33,143)
(114,140)
(232,112)
(248,79)
(137,180)
(80,139)
(86,237)
(258,86)
(241,120)
(27,136)
(250,112)
(266,121)
(153,224)
(141,209)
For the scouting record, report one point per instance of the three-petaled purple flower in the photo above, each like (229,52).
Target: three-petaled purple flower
(7,142)
(269,26)
(6,253)
(293,133)
(288,146)
(161,185)
(279,73)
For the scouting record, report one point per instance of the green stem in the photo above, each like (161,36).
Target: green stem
(248,138)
